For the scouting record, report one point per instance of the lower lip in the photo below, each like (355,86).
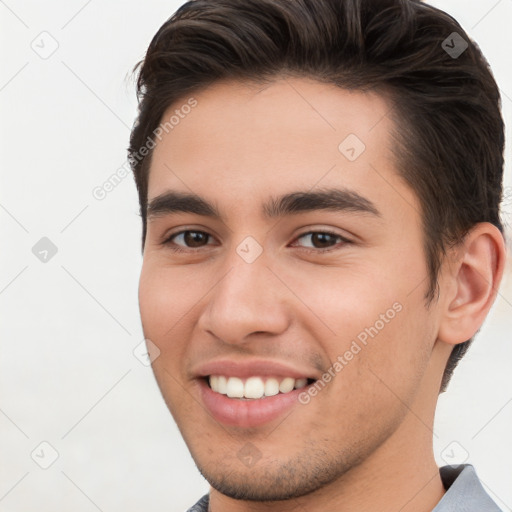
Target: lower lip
(247,413)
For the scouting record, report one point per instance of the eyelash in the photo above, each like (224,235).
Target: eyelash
(176,248)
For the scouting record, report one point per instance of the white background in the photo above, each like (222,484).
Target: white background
(70,325)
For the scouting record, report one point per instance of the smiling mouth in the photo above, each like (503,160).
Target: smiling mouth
(254,388)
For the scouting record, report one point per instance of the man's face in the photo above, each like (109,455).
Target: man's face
(261,300)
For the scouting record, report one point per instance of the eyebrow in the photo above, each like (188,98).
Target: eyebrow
(333,199)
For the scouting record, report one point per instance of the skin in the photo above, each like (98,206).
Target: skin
(364,442)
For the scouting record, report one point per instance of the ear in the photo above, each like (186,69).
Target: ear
(472,282)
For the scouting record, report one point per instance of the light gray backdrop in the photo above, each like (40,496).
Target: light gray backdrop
(83,425)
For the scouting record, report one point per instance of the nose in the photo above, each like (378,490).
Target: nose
(249,299)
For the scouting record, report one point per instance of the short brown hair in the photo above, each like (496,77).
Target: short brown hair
(449,135)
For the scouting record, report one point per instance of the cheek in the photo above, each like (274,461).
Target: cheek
(164,304)
(352,302)
(381,332)
(166,296)
(392,355)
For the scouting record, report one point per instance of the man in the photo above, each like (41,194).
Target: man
(319,184)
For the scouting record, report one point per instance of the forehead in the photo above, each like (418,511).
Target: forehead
(244,142)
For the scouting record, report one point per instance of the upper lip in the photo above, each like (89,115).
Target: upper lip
(250,368)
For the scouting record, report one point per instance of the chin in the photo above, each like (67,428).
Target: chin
(273,480)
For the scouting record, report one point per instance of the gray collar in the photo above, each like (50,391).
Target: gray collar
(464,491)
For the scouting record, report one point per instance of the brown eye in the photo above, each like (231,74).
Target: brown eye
(323,240)
(191,240)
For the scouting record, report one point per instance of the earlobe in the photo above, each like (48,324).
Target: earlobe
(476,273)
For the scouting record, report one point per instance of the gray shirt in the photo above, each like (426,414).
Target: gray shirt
(464,492)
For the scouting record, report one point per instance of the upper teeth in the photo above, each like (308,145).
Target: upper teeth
(253,387)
